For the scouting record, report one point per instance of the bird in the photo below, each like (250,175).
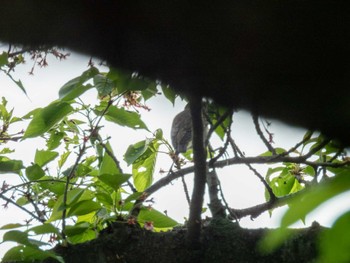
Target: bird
(181,131)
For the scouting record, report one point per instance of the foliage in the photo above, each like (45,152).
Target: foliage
(75,186)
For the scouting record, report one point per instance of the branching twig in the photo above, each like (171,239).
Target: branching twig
(219,122)
(22,208)
(268,188)
(186,190)
(261,135)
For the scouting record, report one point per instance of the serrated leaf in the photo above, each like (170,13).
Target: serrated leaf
(159,219)
(124,118)
(143,167)
(74,88)
(150,91)
(55,140)
(114,180)
(108,165)
(134,151)
(57,187)
(169,93)
(104,85)
(17,236)
(315,196)
(34,172)
(83,237)
(44,229)
(76,229)
(72,198)
(84,207)
(45,118)
(43,157)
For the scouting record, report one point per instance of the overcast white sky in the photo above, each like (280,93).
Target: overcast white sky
(241,188)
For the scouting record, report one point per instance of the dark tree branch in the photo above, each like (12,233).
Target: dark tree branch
(238,160)
(257,210)
(200,169)
(186,190)
(223,149)
(216,207)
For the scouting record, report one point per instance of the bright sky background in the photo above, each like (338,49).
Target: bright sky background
(242,189)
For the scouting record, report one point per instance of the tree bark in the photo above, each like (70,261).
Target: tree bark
(222,241)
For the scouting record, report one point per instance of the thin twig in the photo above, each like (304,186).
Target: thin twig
(261,135)
(267,186)
(22,208)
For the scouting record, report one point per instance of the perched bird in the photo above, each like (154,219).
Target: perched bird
(181,131)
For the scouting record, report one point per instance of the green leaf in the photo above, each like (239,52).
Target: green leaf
(150,91)
(83,237)
(124,118)
(82,170)
(3,59)
(43,157)
(105,199)
(28,254)
(72,198)
(283,184)
(44,229)
(18,83)
(309,170)
(143,167)
(104,85)
(56,187)
(215,112)
(159,219)
(63,158)
(55,140)
(84,207)
(134,151)
(108,165)
(315,196)
(22,201)
(127,82)
(10,166)
(278,151)
(44,119)
(334,242)
(6,151)
(114,180)
(77,229)
(11,226)
(17,236)
(34,172)
(169,93)
(74,88)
